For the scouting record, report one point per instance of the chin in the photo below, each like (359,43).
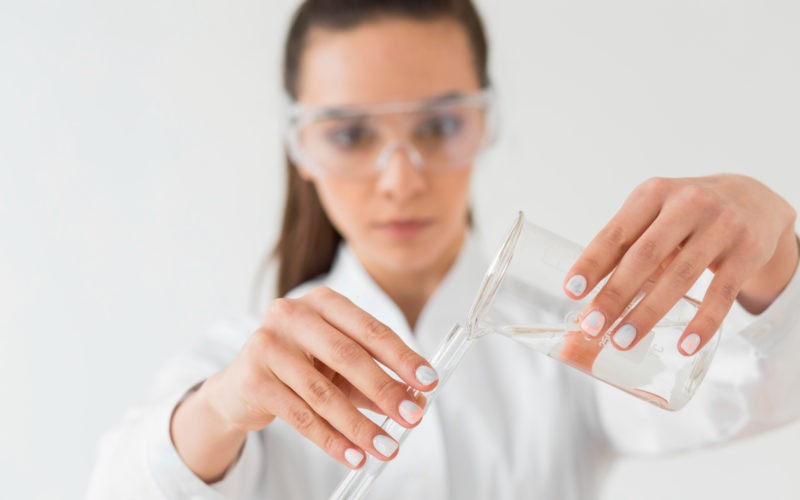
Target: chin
(407,261)
(411,256)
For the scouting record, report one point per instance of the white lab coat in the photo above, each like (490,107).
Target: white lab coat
(510,423)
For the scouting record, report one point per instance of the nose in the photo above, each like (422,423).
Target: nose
(401,176)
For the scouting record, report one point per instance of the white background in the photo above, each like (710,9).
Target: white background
(141,183)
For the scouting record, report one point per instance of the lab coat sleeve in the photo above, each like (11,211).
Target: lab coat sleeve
(751,386)
(137,459)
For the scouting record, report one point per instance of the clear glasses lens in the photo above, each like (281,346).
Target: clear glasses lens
(353,143)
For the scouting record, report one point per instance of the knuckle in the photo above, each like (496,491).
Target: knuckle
(265,337)
(652,187)
(321,391)
(592,263)
(614,297)
(375,330)
(707,323)
(699,196)
(686,272)
(727,292)
(301,418)
(645,249)
(281,307)
(346,351)
(729,219)
(648,311)
(407,356)
(385,390)
(330,443)
(613,236)
(362,428)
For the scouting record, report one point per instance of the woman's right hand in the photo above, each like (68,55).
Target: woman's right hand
(312,363)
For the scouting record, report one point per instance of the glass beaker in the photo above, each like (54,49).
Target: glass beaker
(521,297)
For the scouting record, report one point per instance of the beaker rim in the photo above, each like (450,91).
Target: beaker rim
(495,274)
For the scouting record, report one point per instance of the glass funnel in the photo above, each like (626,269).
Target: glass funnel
(521,297)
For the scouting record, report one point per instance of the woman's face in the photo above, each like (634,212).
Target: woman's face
(403,219)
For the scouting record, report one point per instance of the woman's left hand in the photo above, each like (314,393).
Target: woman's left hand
(669,231)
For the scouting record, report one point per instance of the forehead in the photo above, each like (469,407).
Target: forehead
(386,60)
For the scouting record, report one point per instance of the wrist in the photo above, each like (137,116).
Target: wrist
(206,441)
(207,401)
(766,285)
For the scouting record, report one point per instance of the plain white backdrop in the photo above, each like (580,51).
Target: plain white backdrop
(141,182)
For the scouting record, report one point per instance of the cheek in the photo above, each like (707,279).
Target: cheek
(343,202)
(453,192)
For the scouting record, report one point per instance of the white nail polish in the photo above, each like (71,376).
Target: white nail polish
(426,375)
(576,285)
(625,335)
(410,411)
(353,456)
(690,343)
(385,445)
(593,323)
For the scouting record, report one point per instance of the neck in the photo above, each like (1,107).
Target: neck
(412,290)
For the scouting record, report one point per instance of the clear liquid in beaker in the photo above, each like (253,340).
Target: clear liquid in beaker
(653,370)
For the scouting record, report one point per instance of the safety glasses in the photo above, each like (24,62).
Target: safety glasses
(357,142)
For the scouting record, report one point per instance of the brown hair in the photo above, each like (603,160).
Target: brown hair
(308,241)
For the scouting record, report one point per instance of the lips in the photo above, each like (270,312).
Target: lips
(404,228)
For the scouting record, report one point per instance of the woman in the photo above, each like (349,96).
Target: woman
(377,261)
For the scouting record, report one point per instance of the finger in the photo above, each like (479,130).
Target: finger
(350,360)
(356,397)
(716,303)
(682,272)
(288,406)
(327,401)
(606,249)
(665,264)
(378,339)
(362,401)
(640,262)
(580,351)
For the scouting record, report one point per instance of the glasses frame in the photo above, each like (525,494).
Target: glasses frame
(299,115)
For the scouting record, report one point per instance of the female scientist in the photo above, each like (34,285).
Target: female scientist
(377,261)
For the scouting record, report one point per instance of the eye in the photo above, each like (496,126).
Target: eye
(350,136)
(441,126)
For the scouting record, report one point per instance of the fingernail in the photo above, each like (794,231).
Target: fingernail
(385,445)
(410,412)
(426,375)
(576,285)
(625,335)
(353,456)
(690,343)
(593,323)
